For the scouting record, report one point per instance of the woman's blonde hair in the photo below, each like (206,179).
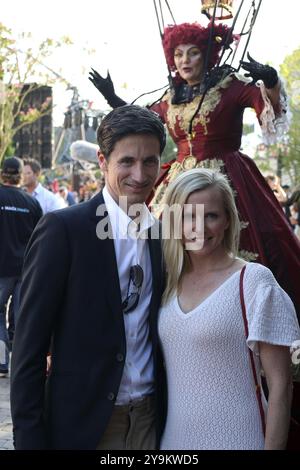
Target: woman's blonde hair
(177,193)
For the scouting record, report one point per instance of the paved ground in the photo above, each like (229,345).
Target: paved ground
(5,418)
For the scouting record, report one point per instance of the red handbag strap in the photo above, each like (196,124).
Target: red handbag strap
(257,385)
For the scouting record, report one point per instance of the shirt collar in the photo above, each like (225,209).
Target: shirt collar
(123,225)
(38,189)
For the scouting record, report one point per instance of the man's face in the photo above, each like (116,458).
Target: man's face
(29,177)
(132,168)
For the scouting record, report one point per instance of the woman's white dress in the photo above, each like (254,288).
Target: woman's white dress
(211,393)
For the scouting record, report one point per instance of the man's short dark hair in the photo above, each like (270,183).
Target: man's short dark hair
(34,165)
(129,120)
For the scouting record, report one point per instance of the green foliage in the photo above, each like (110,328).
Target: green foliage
(170,150)
(290,71)
(20,65)
(264,165)
(248,128)
(10,151)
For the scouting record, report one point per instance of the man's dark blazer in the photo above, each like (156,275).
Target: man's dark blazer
(70,296)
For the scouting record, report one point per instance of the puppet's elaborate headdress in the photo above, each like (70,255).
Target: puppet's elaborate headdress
(194,33)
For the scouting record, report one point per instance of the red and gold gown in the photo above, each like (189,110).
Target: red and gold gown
(266,236)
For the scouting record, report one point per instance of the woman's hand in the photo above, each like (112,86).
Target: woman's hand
(259,71)
(104,85)
(106,88)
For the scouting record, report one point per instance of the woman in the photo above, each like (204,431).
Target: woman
(212,402)
(212,139)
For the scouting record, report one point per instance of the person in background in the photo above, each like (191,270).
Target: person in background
(286,207)
(221,323)
(67,196)
(294,205)
(49,201)
(19,214)
(82,193)
(280,194)
(101,183)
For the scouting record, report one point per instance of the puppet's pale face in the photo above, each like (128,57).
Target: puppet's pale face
(189,62)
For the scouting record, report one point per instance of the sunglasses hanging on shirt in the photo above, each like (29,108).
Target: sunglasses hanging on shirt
(136,277)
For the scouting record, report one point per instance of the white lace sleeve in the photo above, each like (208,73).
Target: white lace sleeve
(274,126)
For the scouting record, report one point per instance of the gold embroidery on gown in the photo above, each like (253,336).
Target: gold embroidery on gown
(182,114)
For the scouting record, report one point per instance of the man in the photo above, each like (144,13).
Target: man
(19,214)
(274,183)
(49,201)
(92,285)
(67,196)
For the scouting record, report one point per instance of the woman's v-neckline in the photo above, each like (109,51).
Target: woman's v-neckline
(190,312)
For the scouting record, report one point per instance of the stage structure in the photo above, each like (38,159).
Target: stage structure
(80,126)
(35,140)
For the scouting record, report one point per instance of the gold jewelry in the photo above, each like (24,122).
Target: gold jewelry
(189,162)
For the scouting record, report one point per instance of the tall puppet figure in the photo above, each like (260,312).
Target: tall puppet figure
(205,120)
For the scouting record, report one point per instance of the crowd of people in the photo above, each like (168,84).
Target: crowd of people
(23,201)
(162,334)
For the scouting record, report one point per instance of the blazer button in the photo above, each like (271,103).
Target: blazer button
(120,357)
(111,396)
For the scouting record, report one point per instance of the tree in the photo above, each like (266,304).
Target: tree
(170,150)
(22,70)
(290,71)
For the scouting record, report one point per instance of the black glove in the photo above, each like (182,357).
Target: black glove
(259,71)
(106,88)
(217,74)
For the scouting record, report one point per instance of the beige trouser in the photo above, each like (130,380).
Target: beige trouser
(131,427)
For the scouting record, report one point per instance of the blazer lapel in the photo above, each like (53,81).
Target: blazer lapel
(105,250)
(157,280)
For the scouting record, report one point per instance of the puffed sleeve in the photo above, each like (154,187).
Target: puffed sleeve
(161,108)
(270,312)
(274,122)
(248,95)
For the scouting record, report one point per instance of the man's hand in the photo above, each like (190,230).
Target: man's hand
(259,71)
(106,88)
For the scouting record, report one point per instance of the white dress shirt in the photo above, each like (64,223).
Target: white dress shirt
(138,375)
(48,201)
